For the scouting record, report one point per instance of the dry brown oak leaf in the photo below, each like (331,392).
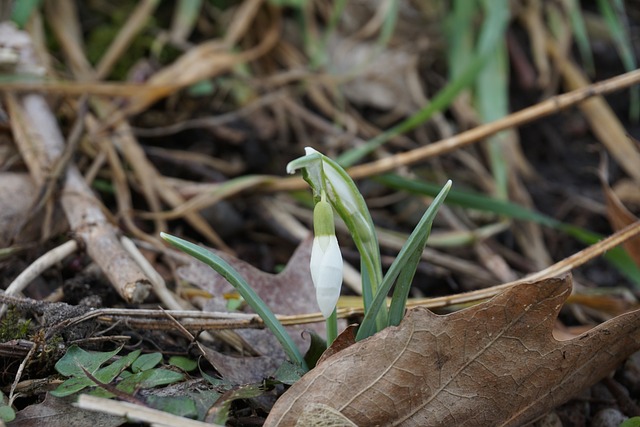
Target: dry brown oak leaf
(495,363)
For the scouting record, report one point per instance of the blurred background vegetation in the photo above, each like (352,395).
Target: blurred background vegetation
(218,96)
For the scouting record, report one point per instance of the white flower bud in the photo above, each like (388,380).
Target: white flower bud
(326,259)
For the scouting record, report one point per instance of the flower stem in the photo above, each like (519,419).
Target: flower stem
(332,327)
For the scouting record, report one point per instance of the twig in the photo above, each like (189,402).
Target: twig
(37,267)
(545,108)
(41,144)
(542,109)
(23,364)
(199,320)
(54,181)
(112,389)
(561,267)
(136,413)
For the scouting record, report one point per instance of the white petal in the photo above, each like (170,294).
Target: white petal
(332,258)
(329,278)
(316,260)
(327,300)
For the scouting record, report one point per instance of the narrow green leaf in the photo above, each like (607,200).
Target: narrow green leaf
(617,256)
(460,35)
(249,295)
(491,92)
(468,199)
(403,284)
(490,38)
(414,244)
(614,20)
(581,36)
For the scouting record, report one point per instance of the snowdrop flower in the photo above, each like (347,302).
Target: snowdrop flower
(326,259)
(323,174)
(326,177)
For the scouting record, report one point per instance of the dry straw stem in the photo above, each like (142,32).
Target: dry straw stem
(103,89)
(542,109)
(198,320)
(152,185)
(603,121)
(34,128)
(545,108)
(41,144)
(37,267)
(136,413)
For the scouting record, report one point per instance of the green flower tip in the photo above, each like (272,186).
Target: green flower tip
(310,156)
(323,219)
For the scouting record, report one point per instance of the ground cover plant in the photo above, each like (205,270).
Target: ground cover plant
(302,154)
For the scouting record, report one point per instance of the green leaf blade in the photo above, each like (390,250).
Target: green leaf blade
(243,288)
(75,359)
(415,243)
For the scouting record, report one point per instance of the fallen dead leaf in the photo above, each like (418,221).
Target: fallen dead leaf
(289,292)
(242,370)
(495,363)
(619,217)
(56,412)
(346,339)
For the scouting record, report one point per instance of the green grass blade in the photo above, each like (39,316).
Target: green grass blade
(367,294)
(403,285)
(491,94)
(414,244)
(243,288)
(618,257)
(490,39)
(581,36)
(388,25)
(618,29)
(22,10)
(461,35)
(468,199)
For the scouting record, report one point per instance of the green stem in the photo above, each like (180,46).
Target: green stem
(332,327)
